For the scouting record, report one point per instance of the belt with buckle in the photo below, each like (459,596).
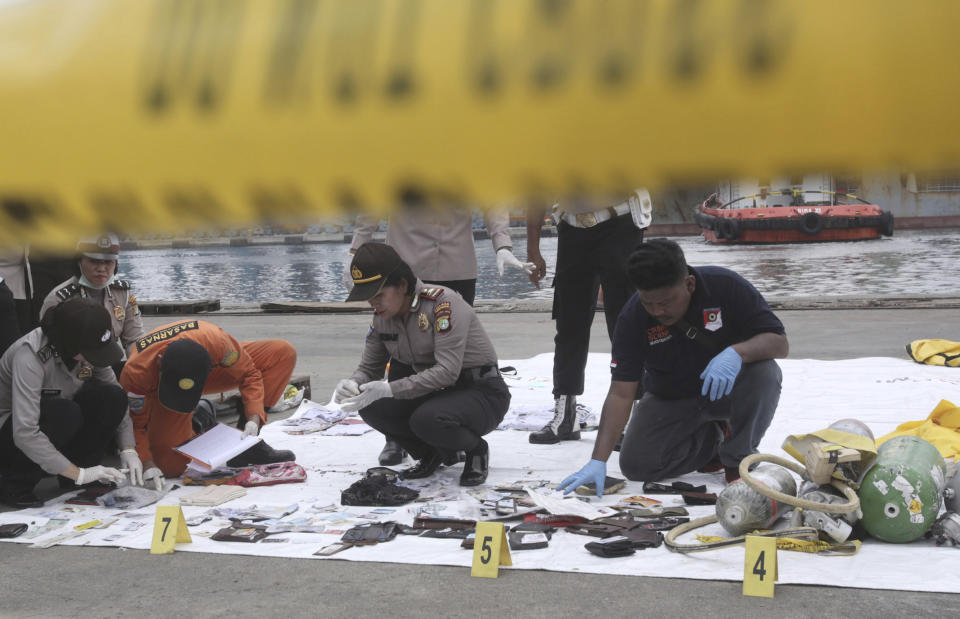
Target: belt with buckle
(589,220)
(471,375)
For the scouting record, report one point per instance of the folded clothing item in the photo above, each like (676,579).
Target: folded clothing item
(270,475)
(210,496)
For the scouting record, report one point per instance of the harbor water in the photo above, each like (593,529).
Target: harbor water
(915,262)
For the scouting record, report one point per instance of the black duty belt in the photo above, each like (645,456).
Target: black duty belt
(471,375)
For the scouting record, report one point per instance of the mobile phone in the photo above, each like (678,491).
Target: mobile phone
(610,485)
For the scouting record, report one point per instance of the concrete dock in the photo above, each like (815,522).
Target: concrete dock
(107,582)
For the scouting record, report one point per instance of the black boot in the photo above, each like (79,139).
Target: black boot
(391,454)
(423,468)
(563,427)
(476,466)
(261,453)
(204,416)
(20,497)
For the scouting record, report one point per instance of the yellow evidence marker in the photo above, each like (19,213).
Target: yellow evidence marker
(760,566)
(169,529)
(490,550)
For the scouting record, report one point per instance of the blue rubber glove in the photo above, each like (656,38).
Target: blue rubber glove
(595,471)
(721,373)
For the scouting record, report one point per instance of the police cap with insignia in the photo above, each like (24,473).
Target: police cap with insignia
(183,373)
(79,327)
(371,266)
(103,247)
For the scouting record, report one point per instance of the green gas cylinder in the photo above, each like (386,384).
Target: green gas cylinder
(900,494)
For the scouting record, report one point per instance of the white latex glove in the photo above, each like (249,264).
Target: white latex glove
(99,473)
(155,475)
(369,393)
(251,428)
(505,257)
(346,388)
(346,276)
(131,461)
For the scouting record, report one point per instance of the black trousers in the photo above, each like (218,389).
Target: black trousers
(443,422)
(466,287)
(586,259)
(79,428)
(9,323)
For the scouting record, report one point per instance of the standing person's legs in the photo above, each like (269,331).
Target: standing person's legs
(9,327)
(466,287)
(609,254)
(275,359)
(574,296)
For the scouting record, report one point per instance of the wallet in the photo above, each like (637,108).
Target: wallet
(372,533)
(614,547)
(677,487)
(527,540)
(13,529)
(433,522)
(252,533)
(699,498)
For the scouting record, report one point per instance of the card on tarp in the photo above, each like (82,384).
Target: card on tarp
(759,566)
(490,550)
(169,529)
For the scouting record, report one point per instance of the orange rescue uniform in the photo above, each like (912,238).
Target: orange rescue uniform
(260,370)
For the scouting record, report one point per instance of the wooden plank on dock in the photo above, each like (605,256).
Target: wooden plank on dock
(315,307)
(155,308)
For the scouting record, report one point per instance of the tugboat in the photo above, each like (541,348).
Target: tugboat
(832,216)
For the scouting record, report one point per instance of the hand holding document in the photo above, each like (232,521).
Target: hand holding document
(214,447)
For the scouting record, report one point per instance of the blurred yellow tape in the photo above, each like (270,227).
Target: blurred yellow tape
(171,114)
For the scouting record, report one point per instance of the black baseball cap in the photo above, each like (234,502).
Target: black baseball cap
(371,266)
(184,368)
(82,327)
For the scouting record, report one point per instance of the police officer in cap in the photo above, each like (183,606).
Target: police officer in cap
(60,404)
(95,279)
(449,393)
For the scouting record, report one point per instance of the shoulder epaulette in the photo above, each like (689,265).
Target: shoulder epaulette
(122,284)
(46,352)
(68,291)
(431,293)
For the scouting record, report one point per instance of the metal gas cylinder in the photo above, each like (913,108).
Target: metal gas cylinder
(900,494)
(741,509)
(853,470)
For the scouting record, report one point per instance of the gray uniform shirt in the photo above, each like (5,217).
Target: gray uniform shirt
(437,244)
(29,368)
(440,336)
(117,298)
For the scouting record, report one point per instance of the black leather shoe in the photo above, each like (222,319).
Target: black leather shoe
(261,453)
(19,498)
(391,454)
(204,416)
(476,465)
(423,468)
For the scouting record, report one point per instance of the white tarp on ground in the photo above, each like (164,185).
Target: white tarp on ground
(879,391)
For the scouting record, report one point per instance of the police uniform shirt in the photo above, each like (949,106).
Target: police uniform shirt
(31,369)
(117,299)
(440,336)
(438,245)
(723,303)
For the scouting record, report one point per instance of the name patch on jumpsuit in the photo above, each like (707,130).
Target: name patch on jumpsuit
(165,334)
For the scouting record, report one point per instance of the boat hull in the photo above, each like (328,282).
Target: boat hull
(794,224)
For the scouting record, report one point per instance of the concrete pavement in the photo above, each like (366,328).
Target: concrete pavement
(108,582)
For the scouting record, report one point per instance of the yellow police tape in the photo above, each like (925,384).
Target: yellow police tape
(172,114)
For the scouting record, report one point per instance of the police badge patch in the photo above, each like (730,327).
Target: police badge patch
(422,322)
(119,312)
(85,372)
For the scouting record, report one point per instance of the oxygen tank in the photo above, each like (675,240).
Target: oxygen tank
(741,509)
(900,494)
